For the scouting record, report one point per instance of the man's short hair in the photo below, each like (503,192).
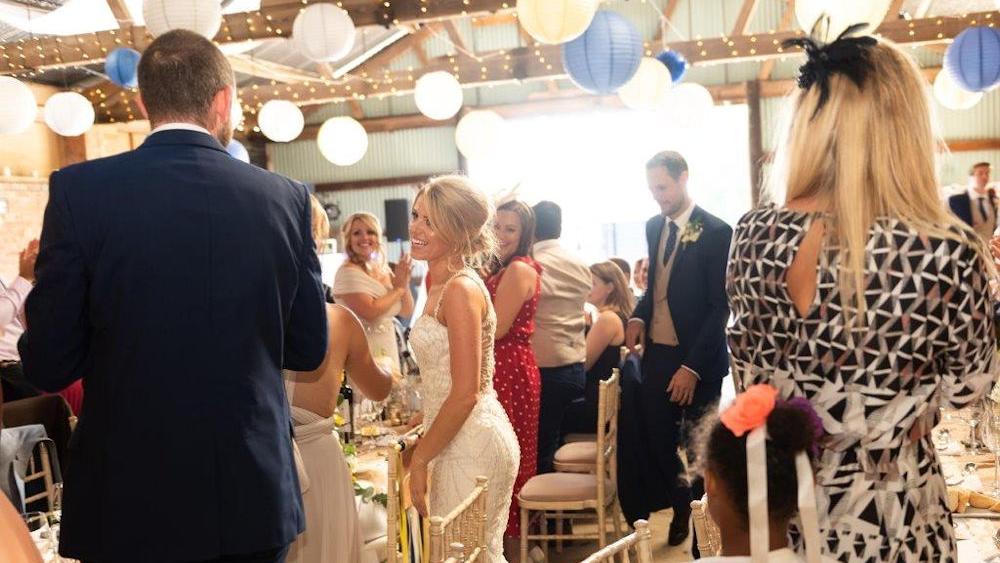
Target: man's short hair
(179,75)
(548,221)
(978,165)
(671,160)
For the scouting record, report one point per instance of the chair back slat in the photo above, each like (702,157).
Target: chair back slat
(608,402)
(640,542)
(465,526)
(709,537)
(396,485)
(40,468)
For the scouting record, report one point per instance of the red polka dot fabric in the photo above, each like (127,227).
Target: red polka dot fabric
(519,386)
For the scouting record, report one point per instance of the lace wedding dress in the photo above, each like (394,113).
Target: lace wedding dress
(484,446)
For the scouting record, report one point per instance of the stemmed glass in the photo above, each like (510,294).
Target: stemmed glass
(990,432)
(974,413)
(38,526)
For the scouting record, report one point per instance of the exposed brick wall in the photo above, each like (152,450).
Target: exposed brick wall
(25,201)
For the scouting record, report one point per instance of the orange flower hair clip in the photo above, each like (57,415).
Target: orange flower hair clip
(750,409)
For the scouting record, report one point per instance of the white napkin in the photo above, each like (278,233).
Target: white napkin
(968,552)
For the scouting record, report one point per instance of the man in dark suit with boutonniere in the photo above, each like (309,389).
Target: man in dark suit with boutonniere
(680,324)
(977,205)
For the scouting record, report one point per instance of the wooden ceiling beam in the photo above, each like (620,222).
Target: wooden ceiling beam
(745,17)
(454,35)
(121,13)
(767,67)
(271,71)
(273,20)
(668,12)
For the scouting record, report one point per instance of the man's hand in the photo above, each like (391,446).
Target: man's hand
(27,261)
(681,387)
(633,334)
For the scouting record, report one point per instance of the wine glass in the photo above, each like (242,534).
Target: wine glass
(990,433)
(974,413)
(38,527)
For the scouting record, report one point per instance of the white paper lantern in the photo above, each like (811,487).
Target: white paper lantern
(323,32)
(952,96)
(843,14)
(18,107)
(236,114)
(203,17)
(281,121)
(480,133)
(688,105)
(556,21)
(648,88)
(438,95)
(342,140)
(69,114)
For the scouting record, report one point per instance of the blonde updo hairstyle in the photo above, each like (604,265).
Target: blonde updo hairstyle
(320,222)
(368,221)
(463,216)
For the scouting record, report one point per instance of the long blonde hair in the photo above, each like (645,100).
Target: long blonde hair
(463,216)
(369,221)
(620,300)
(868,153)
(320,222)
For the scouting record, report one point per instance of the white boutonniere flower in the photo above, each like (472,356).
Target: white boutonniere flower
(692,232)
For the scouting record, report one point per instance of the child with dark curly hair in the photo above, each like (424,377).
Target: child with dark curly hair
(760,442)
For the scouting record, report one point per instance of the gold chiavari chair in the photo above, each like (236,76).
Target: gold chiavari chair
(572,495)
(640,541)
(40,469)
(464,526)
(456,553)
(709,537)
(396,488)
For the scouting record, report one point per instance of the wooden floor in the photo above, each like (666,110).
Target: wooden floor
(662,553)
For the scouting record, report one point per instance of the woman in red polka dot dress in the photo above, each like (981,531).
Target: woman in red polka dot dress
(515,284)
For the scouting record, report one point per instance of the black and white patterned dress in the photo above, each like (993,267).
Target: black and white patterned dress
(927,343)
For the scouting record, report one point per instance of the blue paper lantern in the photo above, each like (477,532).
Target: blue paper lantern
(122,67)
(675,63)
(606,56)
(973,59)
(238,151)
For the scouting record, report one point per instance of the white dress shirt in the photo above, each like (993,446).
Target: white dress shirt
(181,126)
(12,317)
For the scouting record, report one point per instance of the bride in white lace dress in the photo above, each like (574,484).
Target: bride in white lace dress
(468,431)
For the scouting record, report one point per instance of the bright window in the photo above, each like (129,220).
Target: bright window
(593,166)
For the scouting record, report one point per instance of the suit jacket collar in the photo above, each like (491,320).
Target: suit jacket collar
(182,137)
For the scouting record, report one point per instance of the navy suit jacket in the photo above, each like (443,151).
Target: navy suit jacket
(177,282)
(696,296)
(961,205)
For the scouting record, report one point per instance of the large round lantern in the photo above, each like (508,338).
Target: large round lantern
(480,133)
(69,114)
(973,59)
(675,63)
(342,140)
(687,105)
(952,96)
(841,13)
(323,32)
(122,67)
(648,88)
(18,107)
(203,17)
(238,151)
(606,56)
(555,21)
(438,95)
(280,120)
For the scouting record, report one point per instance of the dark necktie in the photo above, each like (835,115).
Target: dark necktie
(982,210)
(668,248)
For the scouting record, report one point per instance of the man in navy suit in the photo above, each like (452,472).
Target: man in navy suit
(977,206)
(177,282)
(681,324)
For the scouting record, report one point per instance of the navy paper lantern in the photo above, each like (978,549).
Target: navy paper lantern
(974,59)
(238,151)
(606,56)
(122,67)
(675,63)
